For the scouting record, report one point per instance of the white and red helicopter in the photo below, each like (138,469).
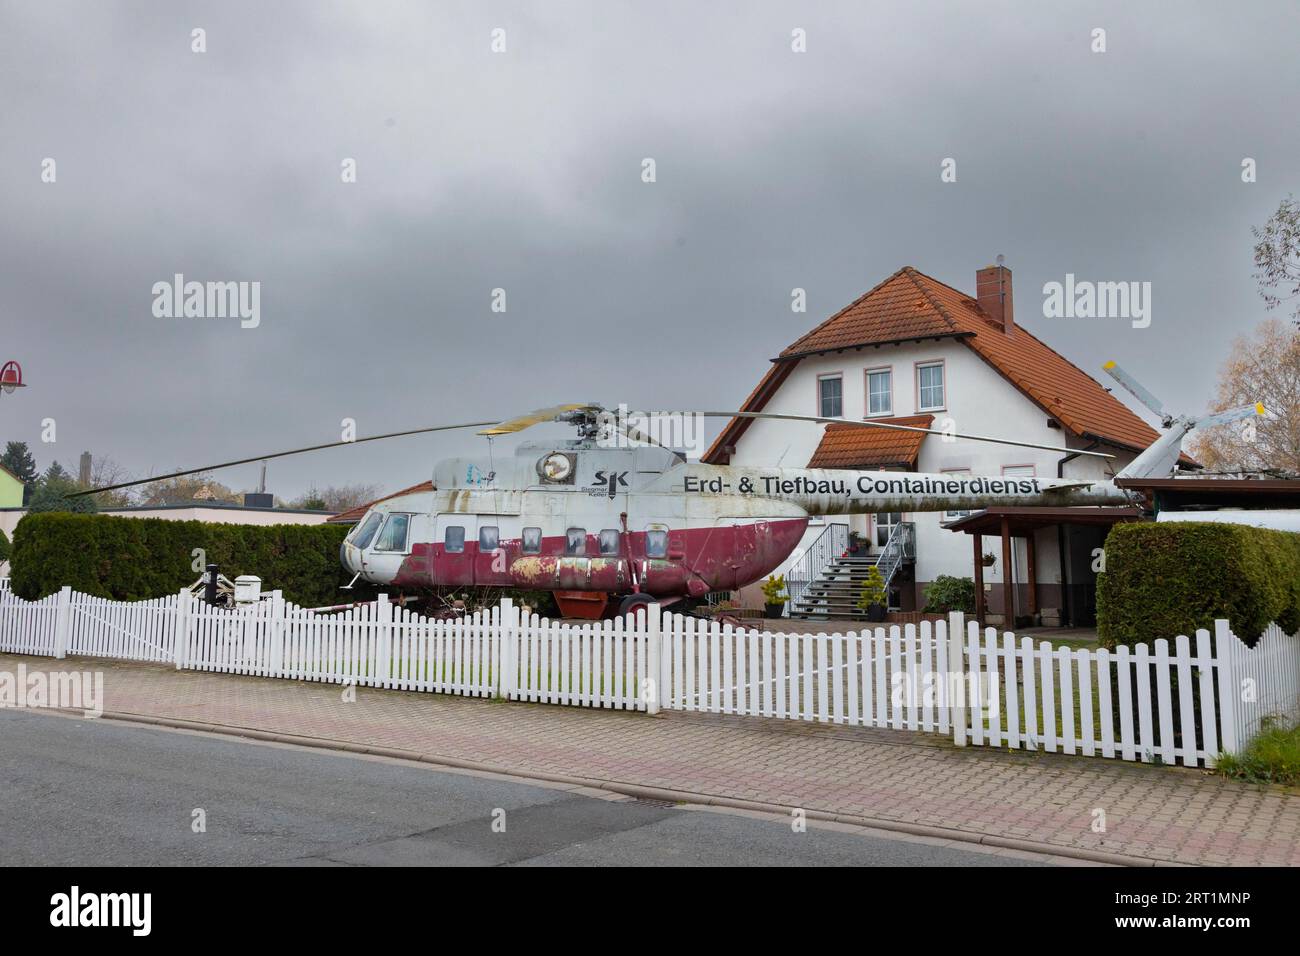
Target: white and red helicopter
(613,520)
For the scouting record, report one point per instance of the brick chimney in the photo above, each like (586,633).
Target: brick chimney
(993,292)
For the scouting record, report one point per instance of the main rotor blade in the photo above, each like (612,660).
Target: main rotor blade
(902,428)
(1230,415)
(537,417)
(1135,388)
(278,454)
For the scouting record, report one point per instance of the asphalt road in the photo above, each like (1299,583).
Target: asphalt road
(82,792)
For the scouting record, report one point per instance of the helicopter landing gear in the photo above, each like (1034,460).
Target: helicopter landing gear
(635,604)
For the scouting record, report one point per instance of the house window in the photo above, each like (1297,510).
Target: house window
(393,537)
(532,541)
(453,539)
(575,541)
(954,515)
(929,384)
(656,544)
(489,538)
(886,522)
(830,394)
(880,392)
(609,541)
(366,532)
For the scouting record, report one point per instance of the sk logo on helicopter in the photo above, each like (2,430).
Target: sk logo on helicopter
(609,483)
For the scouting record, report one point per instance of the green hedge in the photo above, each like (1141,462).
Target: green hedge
(1162,580)
(134,558)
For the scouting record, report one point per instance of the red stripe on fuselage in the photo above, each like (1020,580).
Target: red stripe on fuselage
(699,560)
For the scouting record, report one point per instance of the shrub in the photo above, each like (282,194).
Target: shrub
(774,589)
(1273,756)
(947,593)
(873,589)
(4,546)
(1162,580)
(129,559)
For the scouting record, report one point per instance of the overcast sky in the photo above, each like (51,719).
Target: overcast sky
(522,170)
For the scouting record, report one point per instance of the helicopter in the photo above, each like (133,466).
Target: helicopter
(614,521)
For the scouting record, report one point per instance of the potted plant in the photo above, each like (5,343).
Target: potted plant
(857,543)
(774,596)
(989,559)
(873,598)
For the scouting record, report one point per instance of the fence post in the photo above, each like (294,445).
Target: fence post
(275,662)
(383,646)
(957,689)
(1229,686)
(63,622)
(654,655)
(507,635)
(181,649)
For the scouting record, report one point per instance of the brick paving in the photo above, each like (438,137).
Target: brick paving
(1159,813)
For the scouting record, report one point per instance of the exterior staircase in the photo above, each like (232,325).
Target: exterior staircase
(833,594)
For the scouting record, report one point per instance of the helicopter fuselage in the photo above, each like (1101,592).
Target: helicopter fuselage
(577,517)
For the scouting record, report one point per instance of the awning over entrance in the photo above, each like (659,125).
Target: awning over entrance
(852,446)
(1023,521)
(1008,523)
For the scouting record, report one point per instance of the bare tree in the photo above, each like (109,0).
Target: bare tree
(1264,367)
(1277,257)
(340,498)
(106,471)
(188,489)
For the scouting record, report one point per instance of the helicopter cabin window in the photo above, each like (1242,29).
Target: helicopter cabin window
(393,537)
(489,538)
(366,532)
(453,539)
(609,541)
(656,544)
(830,395)
(532,541)
(575,541)
(929,387)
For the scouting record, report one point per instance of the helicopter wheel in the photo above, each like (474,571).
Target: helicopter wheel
(635,604)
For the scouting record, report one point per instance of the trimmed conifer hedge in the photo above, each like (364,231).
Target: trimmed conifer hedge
(130,559)
(1166,579)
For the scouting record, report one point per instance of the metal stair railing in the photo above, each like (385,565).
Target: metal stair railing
(808,567)
(900,546)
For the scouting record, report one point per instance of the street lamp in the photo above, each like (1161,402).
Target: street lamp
(11,377)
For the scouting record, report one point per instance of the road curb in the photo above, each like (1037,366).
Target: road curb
(647,793)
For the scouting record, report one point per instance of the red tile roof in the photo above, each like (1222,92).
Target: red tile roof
(857,446)
(353,515)
(910,305)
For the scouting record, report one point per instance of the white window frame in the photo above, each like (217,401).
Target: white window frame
(889,394)
(831,377)
(943,387)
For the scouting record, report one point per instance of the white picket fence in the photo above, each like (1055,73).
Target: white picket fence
(1157,703)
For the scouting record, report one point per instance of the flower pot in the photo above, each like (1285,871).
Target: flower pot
(875,613)
(773,611)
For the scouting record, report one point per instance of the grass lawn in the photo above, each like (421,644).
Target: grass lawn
(1272,757)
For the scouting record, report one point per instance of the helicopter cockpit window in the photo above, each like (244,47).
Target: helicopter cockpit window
(453,539)
(393,537)
(366,532)
(575,541)
(609,541)
(489,538)
(532,541)
(656,544)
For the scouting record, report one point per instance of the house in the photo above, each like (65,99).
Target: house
(916,351)
(11,489)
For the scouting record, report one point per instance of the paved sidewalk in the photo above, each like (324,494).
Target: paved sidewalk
(858,774)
